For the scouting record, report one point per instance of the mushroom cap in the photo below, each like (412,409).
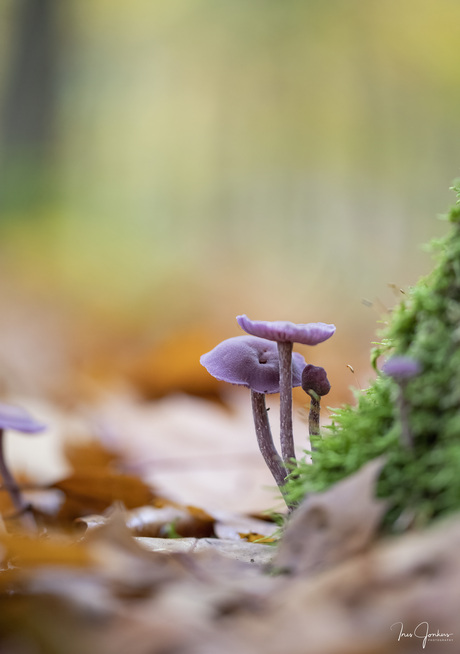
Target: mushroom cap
(401,367)
(310,333)
(13,417)
(314,378)
(250,361)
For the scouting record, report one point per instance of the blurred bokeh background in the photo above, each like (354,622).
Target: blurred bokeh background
(165,166)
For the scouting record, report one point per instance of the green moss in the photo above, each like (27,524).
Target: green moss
(424,482)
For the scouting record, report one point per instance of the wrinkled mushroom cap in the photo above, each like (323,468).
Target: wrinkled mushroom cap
(252,362)
(13,417)
(310,333)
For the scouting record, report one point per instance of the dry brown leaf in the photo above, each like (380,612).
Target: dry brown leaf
(331,526)
(91,522)
(231,525)
(199,514)
(254,553)
(27,551)
(252,537)
(7,507)
(90,454)
(184,597)
(41,624)
(192,450)
(170,521)
(95,489)
(169,366)
(123,561)
(42,502)
(359,606)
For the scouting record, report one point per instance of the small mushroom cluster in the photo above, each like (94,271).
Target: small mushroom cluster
(264,362)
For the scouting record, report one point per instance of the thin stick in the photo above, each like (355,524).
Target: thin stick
(286,431)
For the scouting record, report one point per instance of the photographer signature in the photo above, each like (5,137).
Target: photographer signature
(422,631)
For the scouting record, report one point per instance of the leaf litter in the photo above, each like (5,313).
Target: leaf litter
(119,566)
(116,581)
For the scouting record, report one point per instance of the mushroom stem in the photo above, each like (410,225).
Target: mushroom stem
(286,431)
(403,408)
(313,417)
(265,439)
(10,485)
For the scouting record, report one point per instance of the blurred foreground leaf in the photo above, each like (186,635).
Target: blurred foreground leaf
(331,526)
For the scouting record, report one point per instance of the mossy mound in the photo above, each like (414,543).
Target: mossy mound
(422,484)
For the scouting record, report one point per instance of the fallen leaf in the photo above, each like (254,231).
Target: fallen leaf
(231,525)
(122,560)
(199,514)
(39,623)
(89,454)
(255,553)
(170,521)
(168,366)
(252,537)
(332,526)
(191,450)
(28,551)
(359,606)
(95,489)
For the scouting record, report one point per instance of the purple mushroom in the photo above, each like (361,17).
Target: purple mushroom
(285,334)
(17,419)
(316,384)
(402,368)
(253,362)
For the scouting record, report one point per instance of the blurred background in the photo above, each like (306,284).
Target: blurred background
(165,166)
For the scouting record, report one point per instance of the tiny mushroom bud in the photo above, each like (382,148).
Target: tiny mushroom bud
(285,334)
(17,419)
(253,362)
(402,369)
(316,384)
(314,378)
